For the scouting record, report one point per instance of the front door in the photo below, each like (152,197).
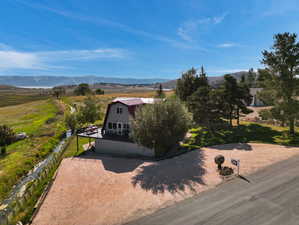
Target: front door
(119,128)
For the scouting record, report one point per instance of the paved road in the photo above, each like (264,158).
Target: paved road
(271,198)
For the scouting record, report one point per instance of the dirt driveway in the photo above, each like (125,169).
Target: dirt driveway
(98,190)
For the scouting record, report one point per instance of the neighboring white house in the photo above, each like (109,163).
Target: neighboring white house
(255,100)
(119,113)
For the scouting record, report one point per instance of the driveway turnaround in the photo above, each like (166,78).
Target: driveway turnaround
(99,190)
(268,197)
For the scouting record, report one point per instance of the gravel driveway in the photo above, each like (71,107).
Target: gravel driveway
(98,190)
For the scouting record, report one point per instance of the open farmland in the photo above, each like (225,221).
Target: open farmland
(42,121)
(13,96)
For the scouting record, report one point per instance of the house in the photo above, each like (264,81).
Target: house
(112,138)
(255,99)
(119,113)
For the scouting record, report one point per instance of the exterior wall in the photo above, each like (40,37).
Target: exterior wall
(122,148)
(255,100)
(114,117)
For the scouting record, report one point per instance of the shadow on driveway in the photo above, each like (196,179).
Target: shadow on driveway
(172,175)
(113,164)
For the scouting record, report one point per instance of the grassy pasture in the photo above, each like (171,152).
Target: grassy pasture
(42,121)
(15,99)
(13,96)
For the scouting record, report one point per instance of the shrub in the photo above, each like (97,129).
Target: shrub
(7,136)
(161,125)
(82,89)
(71,121)
(90,112)
(219,160)
(99,91)
(3,150)
(226,171)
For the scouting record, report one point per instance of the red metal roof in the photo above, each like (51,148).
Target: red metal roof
(130,102)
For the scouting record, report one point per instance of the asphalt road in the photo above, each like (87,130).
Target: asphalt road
(271,198)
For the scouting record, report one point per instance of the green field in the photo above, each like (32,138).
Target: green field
(42,121)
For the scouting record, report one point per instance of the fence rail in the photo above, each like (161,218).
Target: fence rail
(27,188)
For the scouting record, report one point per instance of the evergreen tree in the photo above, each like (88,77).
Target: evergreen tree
(282,65)
(190,82)
(201,80)
(58,91)
(160,93)
(206,105)
(82,89)
(251,78)
(186,84)
(236,98)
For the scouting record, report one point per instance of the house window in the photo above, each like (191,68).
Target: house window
(119,125)
(110,125)
(119,110)
(114,125)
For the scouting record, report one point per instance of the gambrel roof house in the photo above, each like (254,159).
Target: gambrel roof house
(119,113)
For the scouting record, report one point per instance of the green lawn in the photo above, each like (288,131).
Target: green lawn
(246,132)
(42,121)
(72,147)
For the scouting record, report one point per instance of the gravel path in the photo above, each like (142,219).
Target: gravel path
(97,190)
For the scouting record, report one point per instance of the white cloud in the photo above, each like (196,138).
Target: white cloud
(227,45)
(77,55)
(44,60)
(188,28)
(219,19)
(19,60)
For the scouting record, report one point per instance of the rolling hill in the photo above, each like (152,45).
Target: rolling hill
(51,81)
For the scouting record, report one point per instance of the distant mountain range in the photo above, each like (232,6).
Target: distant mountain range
(51,81)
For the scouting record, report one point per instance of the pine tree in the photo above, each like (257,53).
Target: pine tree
(186,84)
(160,93)
(282,66)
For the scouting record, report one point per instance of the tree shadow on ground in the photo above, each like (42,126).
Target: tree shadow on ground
(172,175)
(113,164)
(237,146)
(257,132)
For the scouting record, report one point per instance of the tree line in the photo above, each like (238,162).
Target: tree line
(161,125)
(81,90)
(210,105)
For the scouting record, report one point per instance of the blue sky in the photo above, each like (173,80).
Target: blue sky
(139,38)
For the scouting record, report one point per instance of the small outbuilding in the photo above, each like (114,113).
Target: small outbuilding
(256,101)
